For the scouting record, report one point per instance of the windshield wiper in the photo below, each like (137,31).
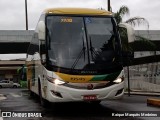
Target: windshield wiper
(79,55)
(94,53)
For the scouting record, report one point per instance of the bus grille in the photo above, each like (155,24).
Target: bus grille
(85,85)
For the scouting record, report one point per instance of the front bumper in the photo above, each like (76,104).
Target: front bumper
(60,93)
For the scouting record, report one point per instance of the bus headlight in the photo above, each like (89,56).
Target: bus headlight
(56,81)
(119,80)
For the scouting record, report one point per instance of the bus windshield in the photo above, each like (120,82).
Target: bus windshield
(80,42)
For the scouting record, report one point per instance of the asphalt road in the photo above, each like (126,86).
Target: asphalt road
(18,101)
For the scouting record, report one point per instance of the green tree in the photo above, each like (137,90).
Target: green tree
(134,21)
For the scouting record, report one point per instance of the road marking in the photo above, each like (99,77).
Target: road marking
(2,97)
(15,95)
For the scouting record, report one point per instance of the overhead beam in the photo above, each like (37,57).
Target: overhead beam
(13,48)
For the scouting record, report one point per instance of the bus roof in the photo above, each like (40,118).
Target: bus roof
(79,11)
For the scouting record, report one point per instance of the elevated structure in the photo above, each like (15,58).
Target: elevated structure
(14,41)
(144,53)
(17,41)
(154,35)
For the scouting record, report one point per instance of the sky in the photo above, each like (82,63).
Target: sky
(13,11)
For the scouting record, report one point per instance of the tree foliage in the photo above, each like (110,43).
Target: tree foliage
(134,21)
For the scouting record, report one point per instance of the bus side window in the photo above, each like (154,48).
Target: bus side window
(43,52)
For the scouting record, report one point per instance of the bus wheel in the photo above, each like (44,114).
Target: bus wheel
(95,102)
(31,94)
(43,102)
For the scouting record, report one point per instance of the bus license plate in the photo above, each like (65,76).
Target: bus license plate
(89,97)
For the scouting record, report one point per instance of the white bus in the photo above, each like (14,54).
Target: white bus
(76,55)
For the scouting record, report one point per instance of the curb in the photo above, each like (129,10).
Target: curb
(153,102)
(144,94)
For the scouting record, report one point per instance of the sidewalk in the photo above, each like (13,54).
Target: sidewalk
(144,93)
(151,101)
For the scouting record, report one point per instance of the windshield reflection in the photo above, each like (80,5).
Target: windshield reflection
(80,42)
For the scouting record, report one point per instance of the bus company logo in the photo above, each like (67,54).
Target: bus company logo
(90,86)
(6,114)
(78,79)
(88,72)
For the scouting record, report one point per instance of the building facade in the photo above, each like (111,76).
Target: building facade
(9,69)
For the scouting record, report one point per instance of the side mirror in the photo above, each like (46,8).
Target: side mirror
(129,30)
(41,30)
(127,35)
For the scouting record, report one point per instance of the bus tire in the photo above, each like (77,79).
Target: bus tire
(95,102)
(28,84)
(43,102)
(31,94)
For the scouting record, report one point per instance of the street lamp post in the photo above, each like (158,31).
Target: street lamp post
(26,13)
(109,5)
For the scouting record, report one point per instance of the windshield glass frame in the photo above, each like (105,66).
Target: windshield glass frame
(85,54)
